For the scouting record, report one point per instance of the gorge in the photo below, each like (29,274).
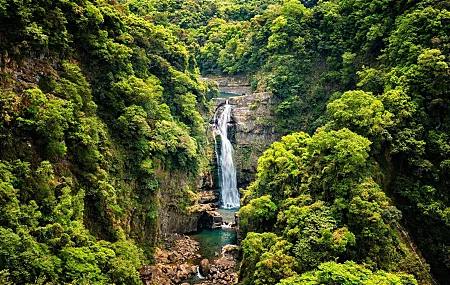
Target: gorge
(132,131)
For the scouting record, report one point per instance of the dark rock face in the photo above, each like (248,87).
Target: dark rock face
(204,267)
(172,218)
(175,190)
(210,220)
(251,131)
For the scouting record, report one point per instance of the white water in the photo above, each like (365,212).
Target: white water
(199,276)
(228,183)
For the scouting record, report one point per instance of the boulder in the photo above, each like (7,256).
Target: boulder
(231,252)
(210,220)
(204,267)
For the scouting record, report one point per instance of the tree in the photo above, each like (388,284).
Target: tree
(362,113)
(348,273)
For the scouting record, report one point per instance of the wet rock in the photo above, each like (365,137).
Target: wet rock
(210,220)
(204,267)
(184,250)
(231,252)
(232,84)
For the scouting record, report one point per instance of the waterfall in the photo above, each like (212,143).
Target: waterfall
(199,275)
(228,183)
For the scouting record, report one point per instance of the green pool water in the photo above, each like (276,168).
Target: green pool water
(212,241)
(227,94)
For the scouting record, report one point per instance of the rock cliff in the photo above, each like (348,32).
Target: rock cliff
(182,204)
(252,130)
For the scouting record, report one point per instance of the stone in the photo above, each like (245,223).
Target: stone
(173,257)
(210,220)
(207,197)
(204,267)
(154,275)
(231,251)
(161,256)
(182,273)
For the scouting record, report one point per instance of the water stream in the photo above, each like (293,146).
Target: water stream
(228,184)
(212,241)
(225,94)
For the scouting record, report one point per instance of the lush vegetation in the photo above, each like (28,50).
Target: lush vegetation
(100,100)
(96,103)
(367,83)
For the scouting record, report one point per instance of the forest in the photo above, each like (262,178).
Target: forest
(102,100)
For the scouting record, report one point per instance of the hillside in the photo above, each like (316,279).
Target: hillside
(98,106)
(104,136)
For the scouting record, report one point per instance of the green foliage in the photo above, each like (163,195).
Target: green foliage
(314,234)
(307,54)
(258,215)
(320,165)
(55,246)
(348,273)
(253,247)
(96,99)
(329,207)
(405,44)
(172,143)
(362,113)
(275,264)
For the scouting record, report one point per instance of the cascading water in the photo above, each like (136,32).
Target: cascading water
(228,183)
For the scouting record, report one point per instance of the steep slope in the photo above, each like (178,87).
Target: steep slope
(98,107)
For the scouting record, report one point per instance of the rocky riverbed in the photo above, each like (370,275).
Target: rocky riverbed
(178,262)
